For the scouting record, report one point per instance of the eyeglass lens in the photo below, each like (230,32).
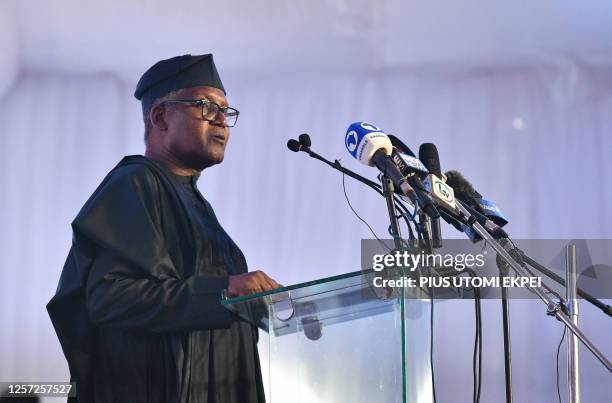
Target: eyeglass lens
(211,110)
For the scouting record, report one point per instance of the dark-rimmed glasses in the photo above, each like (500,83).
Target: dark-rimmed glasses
(210,110)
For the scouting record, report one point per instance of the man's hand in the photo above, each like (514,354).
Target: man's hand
(250,283)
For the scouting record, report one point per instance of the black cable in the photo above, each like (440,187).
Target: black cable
(407,220)
(377,188)
(479,316)
(431,343)
(398,204)
(477,356)
(359,217)
(518,256)
(559,349)
(404,213)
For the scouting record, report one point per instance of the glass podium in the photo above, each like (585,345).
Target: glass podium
(339,339)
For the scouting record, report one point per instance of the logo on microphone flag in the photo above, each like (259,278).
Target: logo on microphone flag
(370,127)
(363,140)
(351,141)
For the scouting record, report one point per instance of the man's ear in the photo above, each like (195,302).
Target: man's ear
(157,117)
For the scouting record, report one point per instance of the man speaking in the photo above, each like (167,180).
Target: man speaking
(137,309)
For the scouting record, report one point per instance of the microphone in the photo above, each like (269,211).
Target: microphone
(305,140)
(444,195)
(371,146)
(303,144)
(469,198)
(407,164)
(295,145)
(466,192)
(428,154)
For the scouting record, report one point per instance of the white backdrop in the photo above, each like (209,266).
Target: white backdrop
(62,133)
(517,97)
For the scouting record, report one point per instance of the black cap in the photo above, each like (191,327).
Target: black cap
(177,73)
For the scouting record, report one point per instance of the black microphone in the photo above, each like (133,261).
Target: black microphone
(444,195)
(411,169)
(472,201)
(408,165)
(466,192)
(428,154)
(296,146)
(305,140)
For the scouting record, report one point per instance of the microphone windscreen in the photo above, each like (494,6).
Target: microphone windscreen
(428,154)
(464,190)
(293,145)
(305,140)
(363,139)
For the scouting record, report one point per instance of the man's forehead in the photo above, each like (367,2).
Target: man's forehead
(210,93)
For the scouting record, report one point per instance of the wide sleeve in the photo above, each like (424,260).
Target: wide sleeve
(133,283)
(119,297)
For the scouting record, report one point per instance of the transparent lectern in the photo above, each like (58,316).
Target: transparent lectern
(339,339)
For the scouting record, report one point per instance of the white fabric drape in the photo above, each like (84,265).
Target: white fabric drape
(534,139)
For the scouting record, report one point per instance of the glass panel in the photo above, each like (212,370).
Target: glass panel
(346,290)
(417,350)
(338,340)
(338,355)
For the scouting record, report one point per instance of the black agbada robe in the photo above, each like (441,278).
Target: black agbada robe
(137,309)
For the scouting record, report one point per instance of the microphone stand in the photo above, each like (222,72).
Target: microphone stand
(555,309)
(336,165)
(571,308)
(607,309)
(392,199)
(389,193)
(503,271)
(425,229)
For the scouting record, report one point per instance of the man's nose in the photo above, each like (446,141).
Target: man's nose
(220,120)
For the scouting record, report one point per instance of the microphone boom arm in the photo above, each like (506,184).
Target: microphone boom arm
(553,308)
(339,167)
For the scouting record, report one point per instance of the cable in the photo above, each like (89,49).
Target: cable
(407,218)
(377,188)
(559,349)
(404,213)
(518,257)
(477,357)
(479,327)
(431,342)
(359,217)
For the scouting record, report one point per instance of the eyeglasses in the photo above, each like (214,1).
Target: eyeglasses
(210,110)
